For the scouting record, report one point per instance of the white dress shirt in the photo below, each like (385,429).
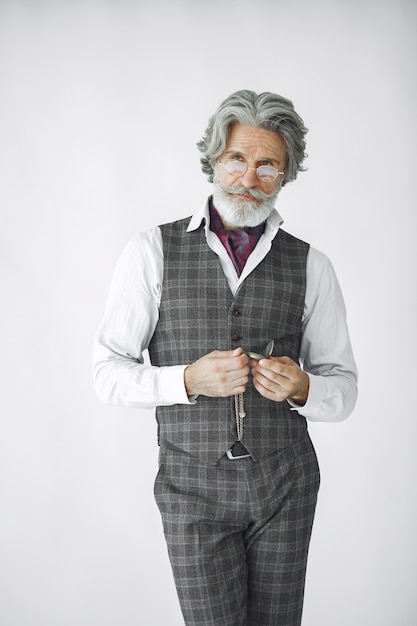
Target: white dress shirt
(123,376)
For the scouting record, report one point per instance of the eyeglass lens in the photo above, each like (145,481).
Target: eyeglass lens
(264,172)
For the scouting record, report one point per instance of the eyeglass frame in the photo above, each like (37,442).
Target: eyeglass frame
(255,169)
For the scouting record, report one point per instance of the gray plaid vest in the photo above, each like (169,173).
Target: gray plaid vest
(198,314)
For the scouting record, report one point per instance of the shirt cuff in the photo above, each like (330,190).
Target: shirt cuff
(314,400)
(172,387)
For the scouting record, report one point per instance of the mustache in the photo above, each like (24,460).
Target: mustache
(256,194)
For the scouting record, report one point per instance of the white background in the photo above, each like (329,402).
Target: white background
(101,106)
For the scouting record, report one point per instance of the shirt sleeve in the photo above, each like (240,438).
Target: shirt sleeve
(326,353)
(122,374)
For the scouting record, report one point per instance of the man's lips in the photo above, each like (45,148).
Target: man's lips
(245,196)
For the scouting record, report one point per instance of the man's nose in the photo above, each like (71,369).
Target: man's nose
(250,178)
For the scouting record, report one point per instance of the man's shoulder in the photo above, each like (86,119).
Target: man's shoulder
(316,258)
(291,241)
(178,225)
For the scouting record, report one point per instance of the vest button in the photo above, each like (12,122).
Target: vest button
(236,312)
(236,337)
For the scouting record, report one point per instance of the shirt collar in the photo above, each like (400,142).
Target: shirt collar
(201,216)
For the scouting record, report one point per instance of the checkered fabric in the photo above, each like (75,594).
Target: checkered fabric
(198,314)
(238,534)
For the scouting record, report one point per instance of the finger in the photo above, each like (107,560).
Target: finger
(269,380)
(239,361)
(233,359)
(239,385)
(228,359)
(275,369)
(224,354)
(270,391)
(283,359)
(233,353)
(284,381)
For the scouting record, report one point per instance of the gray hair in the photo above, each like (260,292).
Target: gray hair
(266,110)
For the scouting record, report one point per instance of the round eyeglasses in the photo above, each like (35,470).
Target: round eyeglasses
(266,173)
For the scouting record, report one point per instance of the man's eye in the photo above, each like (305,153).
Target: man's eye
(236,157)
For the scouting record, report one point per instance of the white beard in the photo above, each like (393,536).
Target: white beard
(239,213)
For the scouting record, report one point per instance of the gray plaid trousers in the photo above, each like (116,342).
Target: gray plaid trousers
(238,534)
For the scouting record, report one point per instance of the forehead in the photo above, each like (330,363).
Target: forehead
(256,142)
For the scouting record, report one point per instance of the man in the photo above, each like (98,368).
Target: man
(246,331)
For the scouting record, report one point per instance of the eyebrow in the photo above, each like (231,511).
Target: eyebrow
(241,154)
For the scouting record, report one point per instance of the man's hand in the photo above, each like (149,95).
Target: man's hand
(218,374)
(279,379)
